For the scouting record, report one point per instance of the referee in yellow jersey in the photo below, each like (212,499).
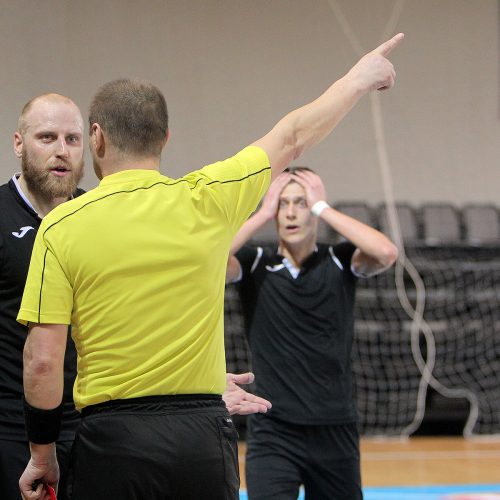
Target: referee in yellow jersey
(137,267)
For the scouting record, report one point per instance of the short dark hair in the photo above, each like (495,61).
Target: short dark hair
(133,114)
(298,169)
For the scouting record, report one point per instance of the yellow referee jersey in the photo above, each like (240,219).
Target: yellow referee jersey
(137,266)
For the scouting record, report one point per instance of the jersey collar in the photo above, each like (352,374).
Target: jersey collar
(20,192)
(295,271)
(15,180)
(128,176)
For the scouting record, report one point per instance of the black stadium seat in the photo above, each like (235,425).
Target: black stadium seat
(481,224)
(441,224)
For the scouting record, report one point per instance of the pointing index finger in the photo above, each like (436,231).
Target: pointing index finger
(387,47)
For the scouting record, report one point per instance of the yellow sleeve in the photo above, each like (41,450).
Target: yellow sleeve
(48,296)
(236,184)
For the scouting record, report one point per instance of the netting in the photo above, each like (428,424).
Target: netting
(462,313)
(238,358)
(462,320)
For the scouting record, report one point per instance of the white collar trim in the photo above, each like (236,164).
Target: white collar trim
(294,271)
(15,178)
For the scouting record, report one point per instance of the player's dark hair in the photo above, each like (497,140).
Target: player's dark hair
(298,169)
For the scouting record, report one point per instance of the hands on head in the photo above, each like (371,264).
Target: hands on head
(240,401)
(310,181)
(312,184)
(271,200)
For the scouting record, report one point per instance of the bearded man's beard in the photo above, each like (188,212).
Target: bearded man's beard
(39,179)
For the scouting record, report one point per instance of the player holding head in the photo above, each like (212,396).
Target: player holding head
(298,299)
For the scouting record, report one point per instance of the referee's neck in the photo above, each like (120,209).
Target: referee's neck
(129,163)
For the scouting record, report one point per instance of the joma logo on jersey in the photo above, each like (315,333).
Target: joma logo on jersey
(22,231)
(276,267)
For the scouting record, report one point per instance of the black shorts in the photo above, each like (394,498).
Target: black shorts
(282,456)
(14,457)
(168,447)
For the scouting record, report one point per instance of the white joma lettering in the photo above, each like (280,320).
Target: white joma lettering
(22,231)
(276,267)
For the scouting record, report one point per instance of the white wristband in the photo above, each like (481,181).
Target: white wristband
(318,207)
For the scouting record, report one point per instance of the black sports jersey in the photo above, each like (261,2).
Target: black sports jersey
(300,332)
(18,226)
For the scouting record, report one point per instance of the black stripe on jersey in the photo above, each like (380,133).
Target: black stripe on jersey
(131,191)
(153,185)
(238,180)
(41,286)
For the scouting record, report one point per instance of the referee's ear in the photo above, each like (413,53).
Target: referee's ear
(97,140)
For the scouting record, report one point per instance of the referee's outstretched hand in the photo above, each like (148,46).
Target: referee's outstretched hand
(374,71)
(240,401)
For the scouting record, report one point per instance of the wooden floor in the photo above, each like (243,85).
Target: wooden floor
(424,461)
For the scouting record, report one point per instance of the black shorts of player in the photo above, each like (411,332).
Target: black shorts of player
(282,456)
(180,447)
(14,457)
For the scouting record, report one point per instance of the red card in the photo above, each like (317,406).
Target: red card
(50,491)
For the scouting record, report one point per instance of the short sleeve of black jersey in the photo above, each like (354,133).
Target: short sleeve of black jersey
(247,257)
(344,251)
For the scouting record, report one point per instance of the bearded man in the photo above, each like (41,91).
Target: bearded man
(49,143)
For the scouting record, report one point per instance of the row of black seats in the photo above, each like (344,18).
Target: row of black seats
(431,224)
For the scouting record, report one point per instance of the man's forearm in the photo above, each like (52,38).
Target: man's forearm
(43,388)
(368,240)
(308,125)
(311,123)
(43,371)
(249,228)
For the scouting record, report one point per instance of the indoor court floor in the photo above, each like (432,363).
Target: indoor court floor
(425,468)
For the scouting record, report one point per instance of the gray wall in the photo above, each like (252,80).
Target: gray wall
(231,68)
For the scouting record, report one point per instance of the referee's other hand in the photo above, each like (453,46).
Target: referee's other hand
(238,401)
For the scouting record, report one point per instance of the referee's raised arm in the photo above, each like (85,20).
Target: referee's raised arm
(306,126)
